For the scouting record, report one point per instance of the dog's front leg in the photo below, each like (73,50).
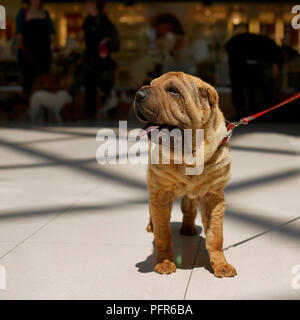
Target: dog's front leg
(160,211)
(212,207)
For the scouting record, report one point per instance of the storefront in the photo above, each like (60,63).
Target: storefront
(206,28)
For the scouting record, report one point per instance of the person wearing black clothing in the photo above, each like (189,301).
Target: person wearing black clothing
(35,31)
(101,39)
(254,62)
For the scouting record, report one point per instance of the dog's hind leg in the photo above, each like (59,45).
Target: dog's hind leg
(189,210)
(34,109)
(149,227)
(56,115)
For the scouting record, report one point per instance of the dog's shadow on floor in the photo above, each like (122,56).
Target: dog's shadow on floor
(185,249)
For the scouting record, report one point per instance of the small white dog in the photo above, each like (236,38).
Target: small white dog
(54,102)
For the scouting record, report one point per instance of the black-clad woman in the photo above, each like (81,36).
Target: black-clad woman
(35,30)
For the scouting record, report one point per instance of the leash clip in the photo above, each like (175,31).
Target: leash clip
(228,134)
(231,126)
(238,123)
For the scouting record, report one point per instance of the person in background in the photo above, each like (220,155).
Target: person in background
(169,36)
(254,62)
(35,31)
(101,40)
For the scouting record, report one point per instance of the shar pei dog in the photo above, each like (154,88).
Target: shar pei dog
(178,100)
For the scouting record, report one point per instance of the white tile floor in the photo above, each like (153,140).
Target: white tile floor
(70,228)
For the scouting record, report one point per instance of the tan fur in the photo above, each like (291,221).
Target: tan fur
(196,107)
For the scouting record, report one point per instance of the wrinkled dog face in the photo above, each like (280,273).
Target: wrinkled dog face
(175,100)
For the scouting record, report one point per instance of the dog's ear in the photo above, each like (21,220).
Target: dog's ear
(213,97)
(208,92)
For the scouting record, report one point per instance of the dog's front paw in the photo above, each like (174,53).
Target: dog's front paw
(165,267)
(224,270)
(188,230)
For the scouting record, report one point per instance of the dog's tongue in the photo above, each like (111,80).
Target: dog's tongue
(147,130)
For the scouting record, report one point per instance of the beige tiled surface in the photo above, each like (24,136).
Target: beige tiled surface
(6,247)
(70,228)
(263,273)
(88,271)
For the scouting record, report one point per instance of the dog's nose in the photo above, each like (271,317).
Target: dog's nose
(141,95)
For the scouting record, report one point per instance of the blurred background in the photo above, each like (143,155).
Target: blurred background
(247,49)
(72,228)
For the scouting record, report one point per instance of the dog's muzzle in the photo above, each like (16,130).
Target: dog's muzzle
(141,95)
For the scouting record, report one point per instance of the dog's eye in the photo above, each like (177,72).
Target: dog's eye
(173,91)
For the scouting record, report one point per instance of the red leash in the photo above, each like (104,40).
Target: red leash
(232,125)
